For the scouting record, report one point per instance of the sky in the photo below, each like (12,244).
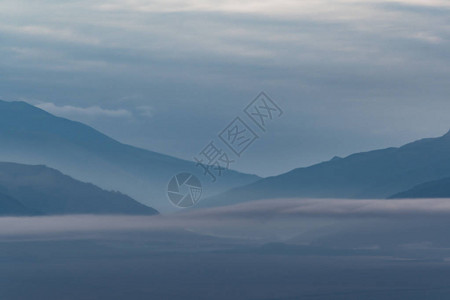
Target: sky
(170,75)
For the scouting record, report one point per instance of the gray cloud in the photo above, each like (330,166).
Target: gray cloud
(259,216)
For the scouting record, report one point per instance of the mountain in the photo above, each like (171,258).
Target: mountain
(434,189)
(26,190)
(13,207)
(374,174)
(30,135)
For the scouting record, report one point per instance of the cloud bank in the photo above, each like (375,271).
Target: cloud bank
(264,214)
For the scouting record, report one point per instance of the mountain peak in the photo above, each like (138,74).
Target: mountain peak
(336,158)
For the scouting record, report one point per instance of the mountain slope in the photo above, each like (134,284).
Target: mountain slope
(13,207)
(48,191)
(32,136)
(375,174)
(434,189)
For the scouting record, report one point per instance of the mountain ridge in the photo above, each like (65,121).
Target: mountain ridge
(30,135)
(373,174)
(432,189)
(40,190)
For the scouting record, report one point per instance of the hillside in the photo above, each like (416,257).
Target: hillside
(27,190)
(30,135)
(434,189)
(374,174)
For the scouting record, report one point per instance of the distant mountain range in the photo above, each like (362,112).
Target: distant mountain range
(30,135)
(434,189)
(39,190)
(374,174)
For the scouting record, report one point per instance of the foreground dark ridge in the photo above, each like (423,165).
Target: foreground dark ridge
(39,190)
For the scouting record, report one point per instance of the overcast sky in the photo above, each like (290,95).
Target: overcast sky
(169,75)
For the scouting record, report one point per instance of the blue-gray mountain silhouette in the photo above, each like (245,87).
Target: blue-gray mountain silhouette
(374,174)
(34,190)
(433,189)
(30,135)
(13,207)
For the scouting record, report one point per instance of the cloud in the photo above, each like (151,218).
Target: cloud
(337,208)
(92,111)
(242,216)
(66,35)
(337,8)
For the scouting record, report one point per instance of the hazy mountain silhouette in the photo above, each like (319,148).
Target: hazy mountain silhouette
(433,189)
(32,136)
(13,207)
(374,174)
(26,190)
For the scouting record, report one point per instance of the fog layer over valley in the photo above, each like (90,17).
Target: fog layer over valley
(258,250)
